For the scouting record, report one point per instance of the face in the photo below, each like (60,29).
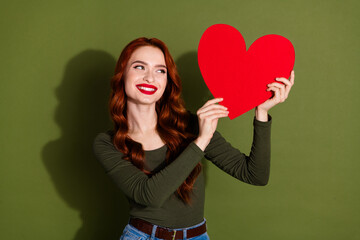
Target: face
(145,75)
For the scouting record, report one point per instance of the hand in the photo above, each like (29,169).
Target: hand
(281,92)
(208,116)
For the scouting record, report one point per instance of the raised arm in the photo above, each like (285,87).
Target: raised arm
(149,191)
(253,169)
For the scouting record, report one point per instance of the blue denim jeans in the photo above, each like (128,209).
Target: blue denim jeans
(131,233)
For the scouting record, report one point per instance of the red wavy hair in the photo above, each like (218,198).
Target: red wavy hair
(172,116)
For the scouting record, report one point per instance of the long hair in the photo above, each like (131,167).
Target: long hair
(172,116)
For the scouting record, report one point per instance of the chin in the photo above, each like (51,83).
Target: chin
(146,101)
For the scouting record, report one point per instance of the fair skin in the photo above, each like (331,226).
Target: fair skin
(145,82)
(145,66)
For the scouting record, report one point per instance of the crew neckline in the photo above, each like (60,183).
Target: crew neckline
(156,149)
(110,132)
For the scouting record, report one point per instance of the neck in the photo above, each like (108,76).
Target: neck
(141,118)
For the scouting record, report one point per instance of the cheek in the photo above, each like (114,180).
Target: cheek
(164,81)
(130,77)
(126,89)
(128,86)
(163,84)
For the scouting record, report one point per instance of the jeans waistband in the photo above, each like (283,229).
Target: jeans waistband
(179,229)
(154,230)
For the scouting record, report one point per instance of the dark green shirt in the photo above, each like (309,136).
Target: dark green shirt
(153,198)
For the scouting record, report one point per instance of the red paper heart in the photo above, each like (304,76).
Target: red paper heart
(240,76)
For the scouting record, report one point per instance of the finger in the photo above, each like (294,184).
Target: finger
(282,94)
(284,80)
(288,85)
(276,97)
(282,89)
(276,84)
(213,101)
(292,77)
(288,88)
(210,107)
(217,116)
(213,111)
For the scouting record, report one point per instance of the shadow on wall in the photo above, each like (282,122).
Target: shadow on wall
(195,92)
(79,179)
(81,114)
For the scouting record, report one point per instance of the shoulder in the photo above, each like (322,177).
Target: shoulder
(103,138)
(106,153)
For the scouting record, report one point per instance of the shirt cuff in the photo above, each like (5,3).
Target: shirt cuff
(263,124)
(196,149)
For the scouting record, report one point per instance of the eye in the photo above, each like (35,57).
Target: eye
(139,67)
(161,71)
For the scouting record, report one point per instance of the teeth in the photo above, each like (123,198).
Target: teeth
(147,89)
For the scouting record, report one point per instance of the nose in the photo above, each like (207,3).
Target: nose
(148,77)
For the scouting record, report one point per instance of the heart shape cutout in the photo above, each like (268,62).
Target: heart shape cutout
(240,76)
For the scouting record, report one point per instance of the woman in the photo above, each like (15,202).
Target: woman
(154,152)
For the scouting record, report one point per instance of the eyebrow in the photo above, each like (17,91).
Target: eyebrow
(138,61)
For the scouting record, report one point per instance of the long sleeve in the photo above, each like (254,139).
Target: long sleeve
(253,169)
(149,191)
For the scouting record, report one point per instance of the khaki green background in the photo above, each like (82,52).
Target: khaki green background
(56,61)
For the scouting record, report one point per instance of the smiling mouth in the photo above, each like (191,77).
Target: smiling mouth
(146,89)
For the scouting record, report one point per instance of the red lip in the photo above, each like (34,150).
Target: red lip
(147,86)
(149,91)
